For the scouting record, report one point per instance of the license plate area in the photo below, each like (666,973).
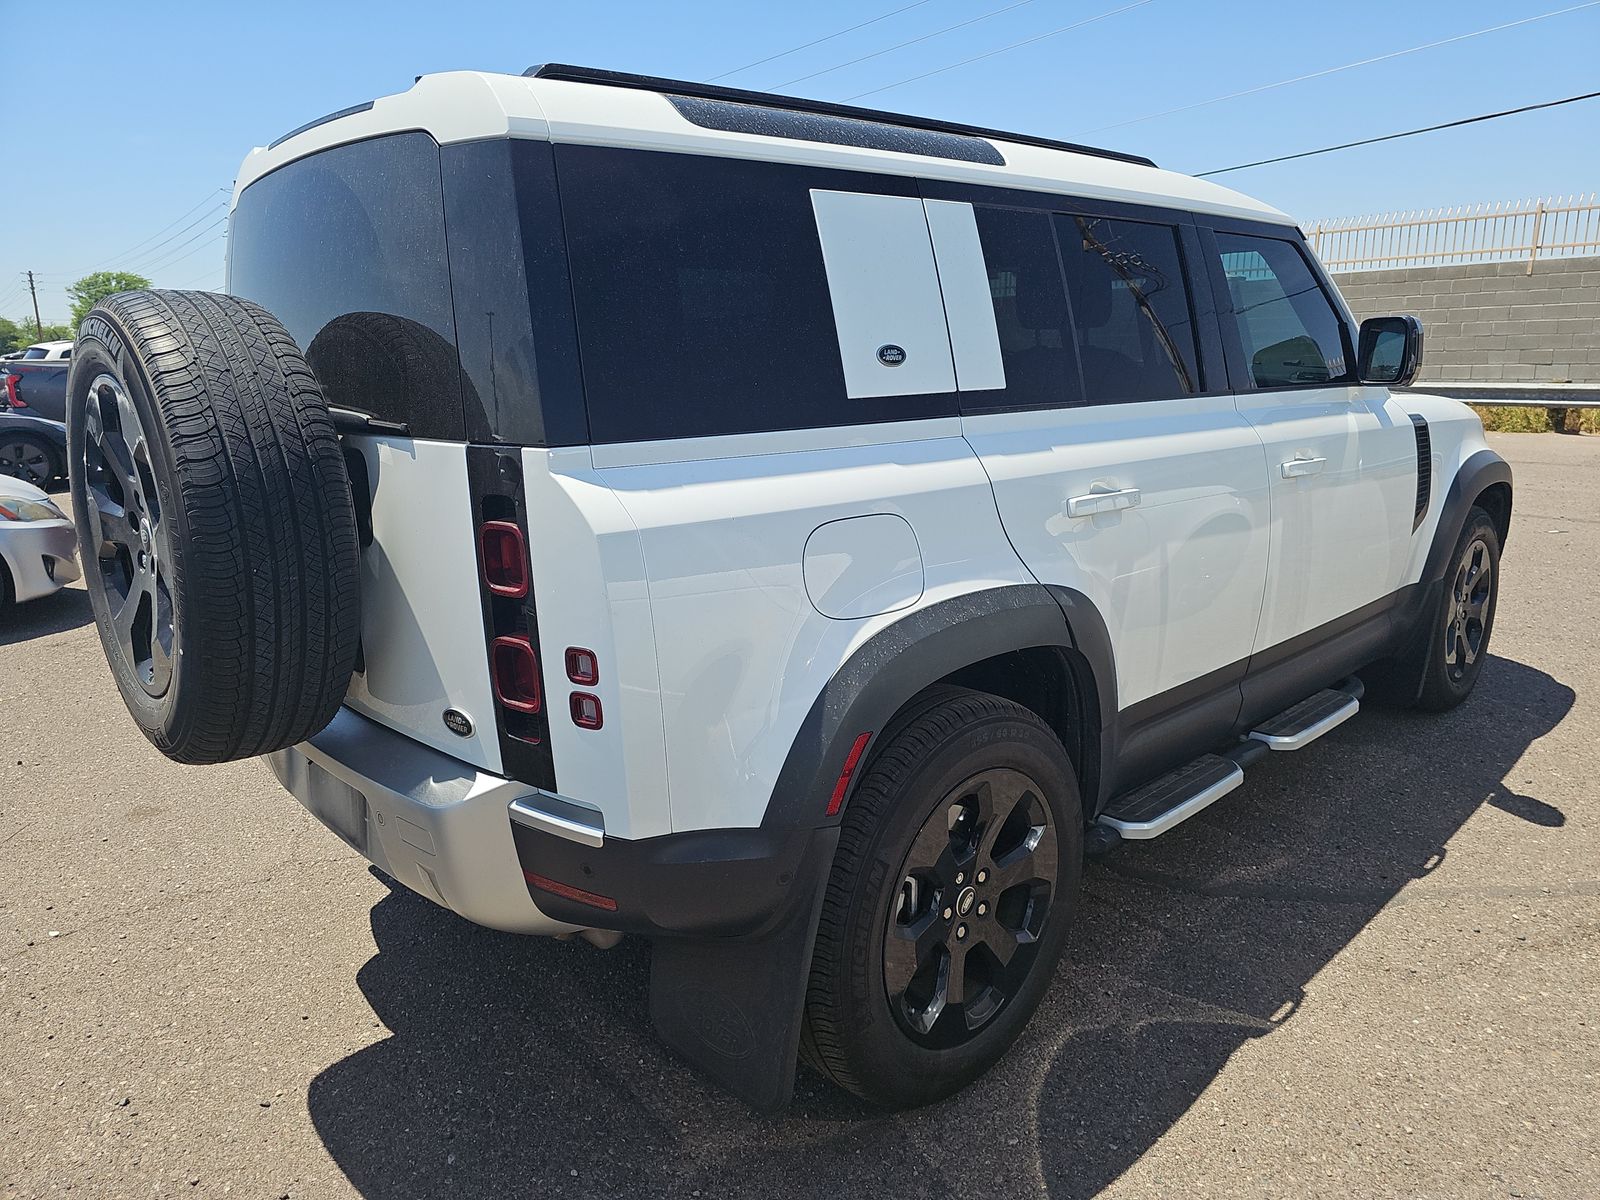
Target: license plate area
(337,805)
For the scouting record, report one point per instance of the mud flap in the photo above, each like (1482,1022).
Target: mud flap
(732,1006)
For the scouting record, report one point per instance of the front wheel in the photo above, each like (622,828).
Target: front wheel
(1458,629)
(950,899)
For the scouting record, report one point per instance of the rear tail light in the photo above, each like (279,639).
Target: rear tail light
(12,398)
(583,668)
(586,712)
(505,558)
(516,674)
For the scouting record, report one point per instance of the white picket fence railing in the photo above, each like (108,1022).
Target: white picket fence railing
(1559,227)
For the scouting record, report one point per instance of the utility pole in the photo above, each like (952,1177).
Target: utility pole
(38,325)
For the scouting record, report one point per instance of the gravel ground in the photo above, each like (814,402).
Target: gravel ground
(1372,970)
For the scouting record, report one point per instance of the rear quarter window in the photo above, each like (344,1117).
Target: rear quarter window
(702,298)
(347,248)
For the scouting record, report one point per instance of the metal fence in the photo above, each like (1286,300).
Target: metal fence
(1522,230)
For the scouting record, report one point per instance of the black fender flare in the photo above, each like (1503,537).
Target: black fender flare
(914,653)
(1481,471)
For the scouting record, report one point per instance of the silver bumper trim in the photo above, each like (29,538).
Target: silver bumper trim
(565,818)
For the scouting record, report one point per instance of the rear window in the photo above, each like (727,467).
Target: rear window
(347,249)
(702,298)
(35,352)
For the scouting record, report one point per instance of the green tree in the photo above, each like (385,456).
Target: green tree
(92,289)
(14,335)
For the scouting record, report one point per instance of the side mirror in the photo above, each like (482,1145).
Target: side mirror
(1390,351)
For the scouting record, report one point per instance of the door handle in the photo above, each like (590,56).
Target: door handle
(1102,502)
(1295,468)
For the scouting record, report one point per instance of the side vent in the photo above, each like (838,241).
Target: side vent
(1424,469)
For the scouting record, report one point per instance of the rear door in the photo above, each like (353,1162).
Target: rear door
(1340,458)
(1120,465)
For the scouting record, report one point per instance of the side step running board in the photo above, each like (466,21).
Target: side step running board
(1307,721)
(1151,810)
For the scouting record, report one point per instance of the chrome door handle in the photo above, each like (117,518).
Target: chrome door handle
(1102,502)
(1298,467)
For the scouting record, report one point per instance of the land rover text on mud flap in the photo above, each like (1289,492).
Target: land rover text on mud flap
(791,533)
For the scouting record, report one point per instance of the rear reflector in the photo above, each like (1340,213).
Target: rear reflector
(583,668)
(568,892)
(516,673)
(850,762)
(586,712)
(505,558)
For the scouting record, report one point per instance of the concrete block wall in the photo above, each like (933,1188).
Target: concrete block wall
(1493,321)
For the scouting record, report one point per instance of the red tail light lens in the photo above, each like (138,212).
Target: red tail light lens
(505,558)
(516,674)
(586,712)
(12,398)
(583,668)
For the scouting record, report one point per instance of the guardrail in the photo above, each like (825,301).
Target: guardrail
(1554,398)
(1557,227)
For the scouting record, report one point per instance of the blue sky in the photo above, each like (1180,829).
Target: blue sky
(127,116)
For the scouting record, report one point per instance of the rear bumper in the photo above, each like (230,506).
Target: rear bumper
(41,556)
(446,830)
(436,824)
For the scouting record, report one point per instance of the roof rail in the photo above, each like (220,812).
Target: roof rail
(709,91)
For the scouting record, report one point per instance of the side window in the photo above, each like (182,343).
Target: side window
(1288,329)
(1130,304)
(702,298)
(1030,313)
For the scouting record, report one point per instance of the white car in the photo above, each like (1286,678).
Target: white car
(44,352)
(37,545)
(791,533)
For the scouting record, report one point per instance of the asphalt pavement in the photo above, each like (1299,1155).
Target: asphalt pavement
(1373,970)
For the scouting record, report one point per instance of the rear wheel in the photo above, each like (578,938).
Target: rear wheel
(949,902)
(30,458)
(215,523)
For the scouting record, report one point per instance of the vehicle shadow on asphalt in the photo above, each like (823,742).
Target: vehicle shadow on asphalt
(66,609)
(521,1065)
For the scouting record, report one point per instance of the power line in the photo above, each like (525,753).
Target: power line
(166,261)
(806,46)
(209,198)
(902,45)
(1365,62)
(203,246)
(991,53)
(1389,137)
(127,263)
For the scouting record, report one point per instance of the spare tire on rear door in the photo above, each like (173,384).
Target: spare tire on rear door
(215,523)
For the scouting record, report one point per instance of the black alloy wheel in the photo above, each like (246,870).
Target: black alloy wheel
(132,555)
(975,891)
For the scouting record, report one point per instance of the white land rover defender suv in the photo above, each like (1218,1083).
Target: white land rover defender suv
(794,534)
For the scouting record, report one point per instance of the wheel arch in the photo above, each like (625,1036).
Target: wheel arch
(1482,480)
(1044,648)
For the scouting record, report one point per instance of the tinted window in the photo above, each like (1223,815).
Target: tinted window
(702,301)
(35,352)
(347,249)
(1130,305)
(1030,313)
(1290,332)
(66,354)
